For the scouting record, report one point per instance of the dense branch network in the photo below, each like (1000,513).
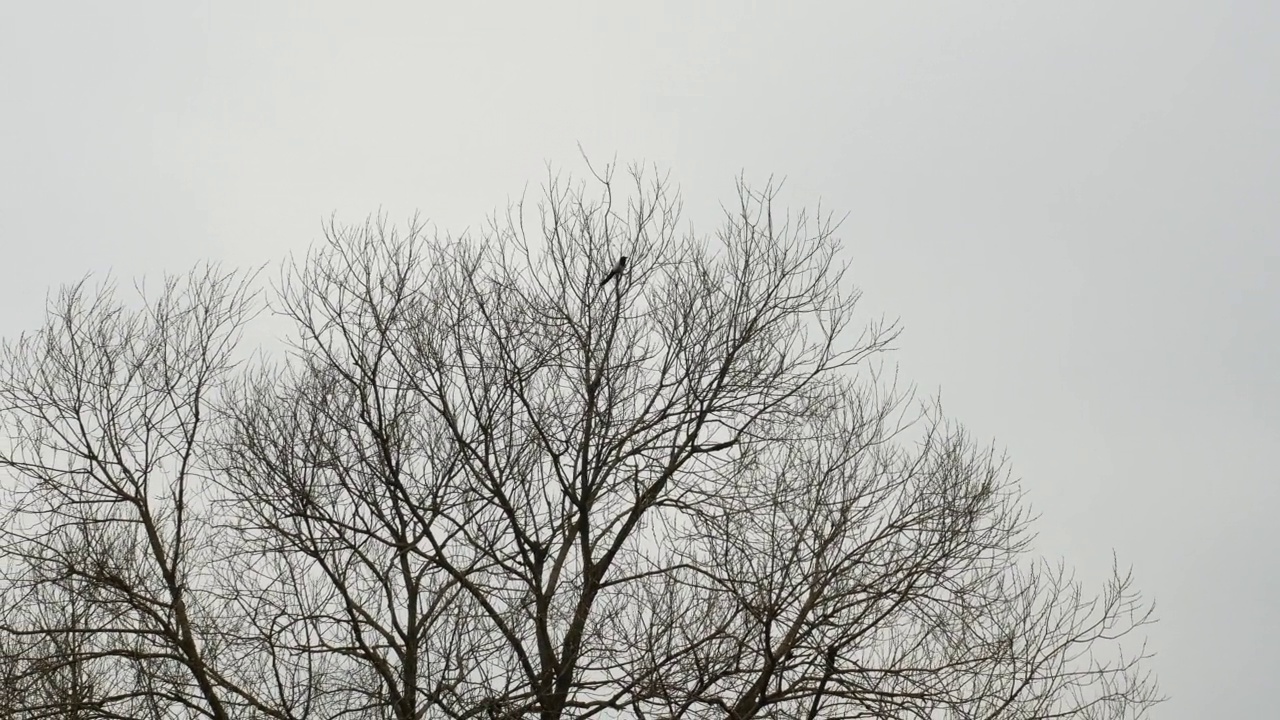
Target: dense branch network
(482,483)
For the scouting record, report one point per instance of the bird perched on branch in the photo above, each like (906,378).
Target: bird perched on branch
(616,272)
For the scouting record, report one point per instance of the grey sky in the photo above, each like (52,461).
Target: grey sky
(1074,208)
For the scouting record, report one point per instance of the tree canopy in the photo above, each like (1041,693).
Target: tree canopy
(482,483)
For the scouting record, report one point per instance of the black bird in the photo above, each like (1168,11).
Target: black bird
(616,271)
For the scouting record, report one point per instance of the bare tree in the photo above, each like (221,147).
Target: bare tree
(484,484)
(106,533)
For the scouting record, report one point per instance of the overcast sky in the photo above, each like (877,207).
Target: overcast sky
(1073,207)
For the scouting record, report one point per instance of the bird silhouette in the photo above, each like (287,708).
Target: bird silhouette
(616,271)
